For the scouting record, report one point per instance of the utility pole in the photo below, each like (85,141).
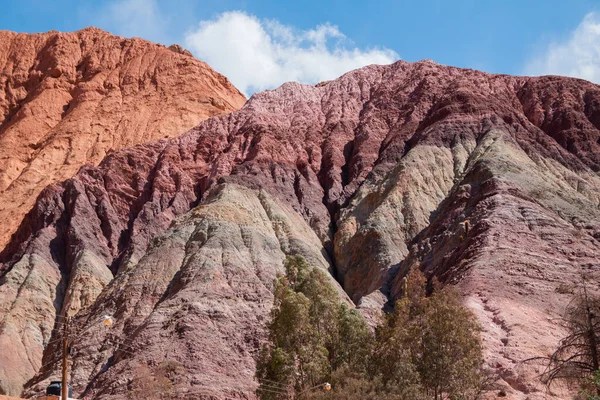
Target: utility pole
(64,389)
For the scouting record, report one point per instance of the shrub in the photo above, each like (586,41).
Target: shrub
(577,358)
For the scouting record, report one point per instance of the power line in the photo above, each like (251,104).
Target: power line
(273,388)
(274,382)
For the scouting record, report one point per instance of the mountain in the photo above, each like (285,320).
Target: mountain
(487,182)
(69,99)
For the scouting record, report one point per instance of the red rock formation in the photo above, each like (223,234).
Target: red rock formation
(366,175)
(69,99)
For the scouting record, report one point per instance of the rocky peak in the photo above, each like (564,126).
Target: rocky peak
(178,49)
(68,99)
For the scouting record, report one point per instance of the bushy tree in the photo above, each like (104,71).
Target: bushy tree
(439,337)
(448,351)
(311,334)
(429,347)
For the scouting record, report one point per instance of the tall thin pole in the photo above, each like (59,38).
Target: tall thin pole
(64,389)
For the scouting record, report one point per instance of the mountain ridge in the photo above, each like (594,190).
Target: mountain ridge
(366,176)
(68,99)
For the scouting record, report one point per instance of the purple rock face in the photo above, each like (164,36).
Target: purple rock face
(69,99)
(365,176)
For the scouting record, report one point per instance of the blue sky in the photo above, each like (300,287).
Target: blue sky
(260,44)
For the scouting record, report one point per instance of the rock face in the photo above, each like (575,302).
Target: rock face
(68,99)
(486,181)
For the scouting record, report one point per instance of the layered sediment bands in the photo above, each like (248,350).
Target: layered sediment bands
(374,172)
(69,99)
(532,237)
(384,216)
(205,286)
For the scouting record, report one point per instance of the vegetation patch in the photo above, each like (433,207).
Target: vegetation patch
(320,348)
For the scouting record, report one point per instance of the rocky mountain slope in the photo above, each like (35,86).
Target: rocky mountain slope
(68,99)
(365,176)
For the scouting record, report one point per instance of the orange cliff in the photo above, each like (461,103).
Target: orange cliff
(69,99)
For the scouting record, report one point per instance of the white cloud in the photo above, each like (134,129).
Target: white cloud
(262,54)
(578,56)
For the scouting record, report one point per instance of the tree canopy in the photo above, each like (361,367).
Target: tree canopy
(428,348)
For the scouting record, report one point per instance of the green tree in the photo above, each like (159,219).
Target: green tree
(311,334)
(448,353)
(439,337)
(429,347)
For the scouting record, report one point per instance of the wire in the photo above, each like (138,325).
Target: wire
(122,343)
(73,337)
(53,341)
(125,351)
(276,382)
(60,359)
(273,387)
(48,363)
(272,383)
(116,347)
(119,347)
(125,340)
(206,392)
(271,391)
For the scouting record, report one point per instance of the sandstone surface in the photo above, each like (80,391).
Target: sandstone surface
(365,176)
(69,99)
